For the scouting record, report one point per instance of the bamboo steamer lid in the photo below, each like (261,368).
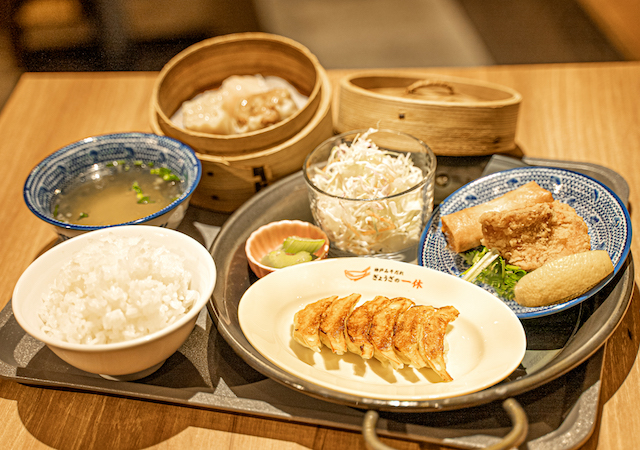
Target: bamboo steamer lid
(454,116)
(205,65)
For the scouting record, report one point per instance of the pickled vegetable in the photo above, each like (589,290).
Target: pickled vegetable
(279,259)
(295,244)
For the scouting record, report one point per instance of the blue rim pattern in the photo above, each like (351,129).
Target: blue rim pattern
(64,165)
(605,214)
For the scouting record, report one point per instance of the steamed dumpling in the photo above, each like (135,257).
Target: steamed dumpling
(242,104)
(261,110)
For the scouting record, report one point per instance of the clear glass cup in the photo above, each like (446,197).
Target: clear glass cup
(372,224)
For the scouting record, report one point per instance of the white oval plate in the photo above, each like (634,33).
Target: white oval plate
(485,343)
(606,217)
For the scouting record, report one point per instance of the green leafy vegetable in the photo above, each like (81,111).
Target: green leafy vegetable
(500,275)
(83,215)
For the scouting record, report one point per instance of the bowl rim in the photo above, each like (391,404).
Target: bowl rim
(255,233)
(136,230)
(98,139)
(337,137)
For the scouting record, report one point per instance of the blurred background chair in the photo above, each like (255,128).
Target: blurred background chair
(111,34)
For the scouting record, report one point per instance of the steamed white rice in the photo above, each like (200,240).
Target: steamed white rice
(117,289)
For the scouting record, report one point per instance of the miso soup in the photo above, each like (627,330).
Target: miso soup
(116,193)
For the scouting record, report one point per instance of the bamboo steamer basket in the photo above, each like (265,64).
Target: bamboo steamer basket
(228,181)
(205,65)
(454,116)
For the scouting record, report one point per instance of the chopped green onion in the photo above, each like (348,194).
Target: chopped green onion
(83,215)
(165,174)
(142,199)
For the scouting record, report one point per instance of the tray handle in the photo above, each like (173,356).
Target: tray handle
(514,438)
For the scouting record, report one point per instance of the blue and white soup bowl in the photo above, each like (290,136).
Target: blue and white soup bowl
(67,164)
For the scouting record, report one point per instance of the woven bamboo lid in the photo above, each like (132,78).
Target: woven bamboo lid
(454,116)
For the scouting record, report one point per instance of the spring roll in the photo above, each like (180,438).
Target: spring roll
(463,229)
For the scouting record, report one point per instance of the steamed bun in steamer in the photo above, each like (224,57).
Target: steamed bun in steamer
(242,104)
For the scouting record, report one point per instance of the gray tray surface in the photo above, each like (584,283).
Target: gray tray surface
(207,372)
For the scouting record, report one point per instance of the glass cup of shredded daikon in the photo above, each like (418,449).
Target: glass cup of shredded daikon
(371,191)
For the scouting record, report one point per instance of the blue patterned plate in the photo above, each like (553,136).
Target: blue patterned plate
(606,216)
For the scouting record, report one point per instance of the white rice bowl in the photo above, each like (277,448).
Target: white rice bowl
(116,289)
(117,301)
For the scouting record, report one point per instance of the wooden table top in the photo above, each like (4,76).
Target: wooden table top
(576,112)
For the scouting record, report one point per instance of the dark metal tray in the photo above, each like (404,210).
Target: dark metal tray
(207,371)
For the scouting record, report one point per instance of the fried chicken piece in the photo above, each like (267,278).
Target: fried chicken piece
(359,323)
(530,236)
(333,322)
(306,323)
(408,332)
(383,328)
(431,343)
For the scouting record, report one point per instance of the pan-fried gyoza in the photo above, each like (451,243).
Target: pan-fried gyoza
(358,326)
(395,331)
(333,323)
(382,329)
(306,323)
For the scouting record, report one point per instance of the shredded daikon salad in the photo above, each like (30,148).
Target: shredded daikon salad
(367,219)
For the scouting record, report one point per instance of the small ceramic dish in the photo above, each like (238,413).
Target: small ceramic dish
(268,237)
